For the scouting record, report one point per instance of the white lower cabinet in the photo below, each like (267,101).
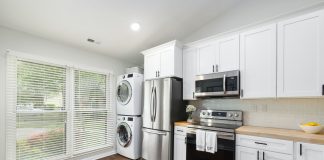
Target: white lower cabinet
(179,147)
(245,153)
(307,151)
(260,148)
(275,156)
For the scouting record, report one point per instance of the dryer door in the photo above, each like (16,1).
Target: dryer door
(124,92)
(124,134)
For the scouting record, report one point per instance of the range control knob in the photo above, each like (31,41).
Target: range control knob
(123,118)
(236,115)
(230,115)
(208,114)
(203,113)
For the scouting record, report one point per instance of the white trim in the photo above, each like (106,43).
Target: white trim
(56,62)
(98,156)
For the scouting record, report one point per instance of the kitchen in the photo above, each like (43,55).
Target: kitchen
(251,79)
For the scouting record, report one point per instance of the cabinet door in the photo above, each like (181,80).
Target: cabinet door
(206,59)
(258,62)
(275,156)
(151,65)
(228,53)
(244,153)
(300,56)
(167,63)
(189,73)
(179,147)
(306,151)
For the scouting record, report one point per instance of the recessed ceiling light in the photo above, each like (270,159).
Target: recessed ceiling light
(135,26)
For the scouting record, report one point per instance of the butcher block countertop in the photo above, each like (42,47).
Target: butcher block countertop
(182,123)
(285,134)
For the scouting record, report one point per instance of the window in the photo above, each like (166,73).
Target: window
(50,116)
(91,113)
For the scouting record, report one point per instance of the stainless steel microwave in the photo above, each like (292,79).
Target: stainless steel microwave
(221,84)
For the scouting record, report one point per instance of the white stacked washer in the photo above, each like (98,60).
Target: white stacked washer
(129,110)
(129,138)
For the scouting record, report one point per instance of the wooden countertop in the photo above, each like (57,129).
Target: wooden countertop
(286,134)
(182,123)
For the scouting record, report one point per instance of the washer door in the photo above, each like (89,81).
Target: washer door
(124,92)
(124,134)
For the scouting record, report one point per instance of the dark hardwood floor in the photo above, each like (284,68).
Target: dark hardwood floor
(114,157)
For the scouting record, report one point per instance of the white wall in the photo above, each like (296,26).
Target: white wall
(281,113)
(18,41)
(251,12)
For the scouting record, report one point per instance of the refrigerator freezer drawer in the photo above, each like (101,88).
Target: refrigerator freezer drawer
(156,145)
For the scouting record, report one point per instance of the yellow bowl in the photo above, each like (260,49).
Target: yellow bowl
(311,129)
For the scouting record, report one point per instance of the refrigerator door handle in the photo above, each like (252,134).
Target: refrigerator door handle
(151,104)
(154,132)
(155,104)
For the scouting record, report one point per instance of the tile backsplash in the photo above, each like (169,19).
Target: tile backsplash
(279,113)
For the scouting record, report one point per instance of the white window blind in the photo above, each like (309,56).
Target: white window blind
(92,117)
(39,109)
(50,116)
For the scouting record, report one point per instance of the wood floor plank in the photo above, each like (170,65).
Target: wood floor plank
(115,157)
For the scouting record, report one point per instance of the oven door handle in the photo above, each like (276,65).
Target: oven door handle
(221,135)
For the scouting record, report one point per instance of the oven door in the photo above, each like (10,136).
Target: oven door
(225,149)
(218,84)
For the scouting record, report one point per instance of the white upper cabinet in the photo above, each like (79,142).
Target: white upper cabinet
(258,62)
(189,72)
(206,59)
(306,151)
(301,56)
(163,61)
(152,60)
(228,53)
(218,55)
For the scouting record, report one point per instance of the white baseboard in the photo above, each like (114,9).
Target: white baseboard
(102,155)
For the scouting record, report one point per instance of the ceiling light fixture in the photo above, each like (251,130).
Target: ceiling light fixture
(135,26)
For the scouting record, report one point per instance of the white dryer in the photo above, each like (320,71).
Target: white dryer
(129,94)
(129,137)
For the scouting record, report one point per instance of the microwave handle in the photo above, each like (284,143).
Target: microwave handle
(224,83)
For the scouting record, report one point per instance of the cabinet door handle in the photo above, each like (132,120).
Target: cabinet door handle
(300,149)
(263,156)
(179,130)
(213,68)
(323,89)
(241,93)
(216,67)
(193,94)
(155,73)
(258,155)
(158,73)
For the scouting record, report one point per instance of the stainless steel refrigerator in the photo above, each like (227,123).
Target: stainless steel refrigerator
(163,106)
